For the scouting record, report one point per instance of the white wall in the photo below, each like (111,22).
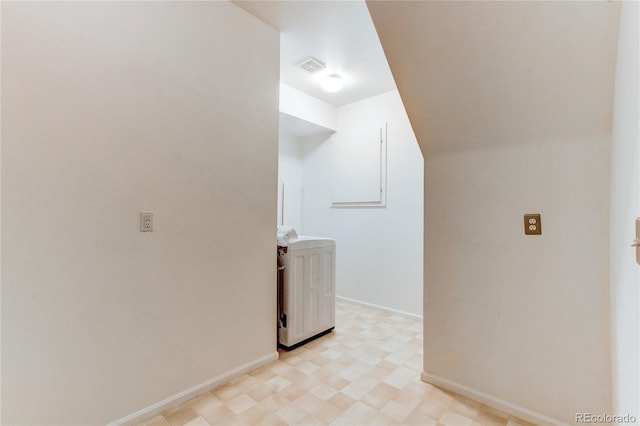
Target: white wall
(625,207)
(290,181)
(110,108)
(290,158)
(520,317)
(301,117)
(378,250)
(511,103)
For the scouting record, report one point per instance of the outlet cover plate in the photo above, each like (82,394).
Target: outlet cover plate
(532,224)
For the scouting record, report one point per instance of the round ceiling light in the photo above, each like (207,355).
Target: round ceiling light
(332,83)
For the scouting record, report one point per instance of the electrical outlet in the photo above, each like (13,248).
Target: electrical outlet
(146,221)
(532,224)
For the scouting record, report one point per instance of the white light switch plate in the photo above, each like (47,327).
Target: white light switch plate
(146,221)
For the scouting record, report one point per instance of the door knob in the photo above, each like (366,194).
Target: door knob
(636,242)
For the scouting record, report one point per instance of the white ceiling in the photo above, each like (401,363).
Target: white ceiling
(339,34)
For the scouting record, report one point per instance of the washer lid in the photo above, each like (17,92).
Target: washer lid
(286,234)
(306,242)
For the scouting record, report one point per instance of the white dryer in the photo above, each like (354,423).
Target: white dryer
(307,295)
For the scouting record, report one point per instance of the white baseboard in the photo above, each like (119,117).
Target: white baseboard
(490,400)
(384,308)
(187,394)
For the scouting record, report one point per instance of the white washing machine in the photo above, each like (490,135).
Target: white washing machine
(306,288)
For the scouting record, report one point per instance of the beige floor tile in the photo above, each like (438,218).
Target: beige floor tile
(463,408)
(342,401)
(379,396)
(273,420)
(292,413)
(307,367)
(395,411)
(280,368)
(324,391)
(379,419)
(361,412)
(279,383)
(408,403)
(155,421)
(292,392)
(202,405)
(263,374)
(220,416)
(379,373)
(320,375)
(310,420)
(331,354)
(415,362)
(418,388)
(369,359)
(449,418)
(345,420)
(309,402)
(320,360)
(338,383)
(180,416)
(351,374)
(256,414)
(490,419)
(431,409)
(419,419)
(198,421)
(327,412)
(274,402)
(245,382)
(360,387)
(401,377)
(308,383)
(365,372)
(440,396)
(399,357)
(241,403)
(261,391)
(386,365)
(226,392)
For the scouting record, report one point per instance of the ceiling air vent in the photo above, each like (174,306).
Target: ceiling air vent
(312,65)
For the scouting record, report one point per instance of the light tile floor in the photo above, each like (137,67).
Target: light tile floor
(366,372)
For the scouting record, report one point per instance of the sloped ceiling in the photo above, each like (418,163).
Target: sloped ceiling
(484,73)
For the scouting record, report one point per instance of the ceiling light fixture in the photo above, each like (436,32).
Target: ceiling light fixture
(332,83)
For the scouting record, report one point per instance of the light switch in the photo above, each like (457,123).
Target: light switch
(532,224)
(146,221)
